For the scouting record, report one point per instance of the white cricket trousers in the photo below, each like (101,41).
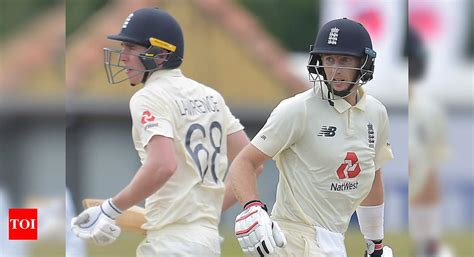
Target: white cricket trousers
(306,241)
(181,240)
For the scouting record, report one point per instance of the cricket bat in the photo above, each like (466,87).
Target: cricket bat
(130,220)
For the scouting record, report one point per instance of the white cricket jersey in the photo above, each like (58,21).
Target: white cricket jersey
(327,156)
(427,144)
(198,120)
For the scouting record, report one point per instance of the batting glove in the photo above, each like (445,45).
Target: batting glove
(257,234)
(375,248)
(98,223)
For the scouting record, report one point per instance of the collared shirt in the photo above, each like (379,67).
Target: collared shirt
(198,120)
(327,156)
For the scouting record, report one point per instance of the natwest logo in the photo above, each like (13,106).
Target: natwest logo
(350,168)
(147,117)
(23,224)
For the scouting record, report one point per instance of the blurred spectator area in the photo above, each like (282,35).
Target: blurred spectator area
(32,50)
(225,48)
(32,115)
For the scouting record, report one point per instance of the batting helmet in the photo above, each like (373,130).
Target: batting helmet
(416,52)
(156,30)
(342,37)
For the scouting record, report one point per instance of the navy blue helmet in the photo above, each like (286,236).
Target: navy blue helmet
(154,29)
(342,37)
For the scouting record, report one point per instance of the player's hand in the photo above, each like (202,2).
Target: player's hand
(257,234)
(97,223)
(377,249)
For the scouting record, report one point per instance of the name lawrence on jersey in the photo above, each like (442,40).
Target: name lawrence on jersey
(191,107)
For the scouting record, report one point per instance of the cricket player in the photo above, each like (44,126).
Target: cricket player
(329,144)
(184,134)
(428,148)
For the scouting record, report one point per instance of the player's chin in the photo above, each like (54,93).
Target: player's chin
(339,86)
(135,80)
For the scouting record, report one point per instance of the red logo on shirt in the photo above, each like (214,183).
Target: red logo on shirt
(23,224)
(350,168)
(147,117)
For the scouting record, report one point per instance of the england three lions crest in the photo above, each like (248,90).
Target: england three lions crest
(371,135)
(333,35)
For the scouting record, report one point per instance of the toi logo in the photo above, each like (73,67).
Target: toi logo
(23,224)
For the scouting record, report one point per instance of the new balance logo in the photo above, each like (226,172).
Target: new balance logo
(327,131)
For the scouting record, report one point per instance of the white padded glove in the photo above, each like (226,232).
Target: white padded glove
(98,223)
(257,234)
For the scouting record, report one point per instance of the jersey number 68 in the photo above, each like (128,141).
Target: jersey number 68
(202,147)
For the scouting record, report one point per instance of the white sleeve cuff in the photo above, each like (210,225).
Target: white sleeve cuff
(109,209)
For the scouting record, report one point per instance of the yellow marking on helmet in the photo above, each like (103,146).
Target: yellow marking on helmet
(162,44)
(149,54)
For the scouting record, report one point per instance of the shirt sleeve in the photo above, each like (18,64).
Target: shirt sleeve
(383,149)
(233,124)
(151,117)
(282,129)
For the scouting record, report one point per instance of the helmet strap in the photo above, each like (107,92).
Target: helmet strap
(149,62)
(331,102)
(146,74)
(345,92)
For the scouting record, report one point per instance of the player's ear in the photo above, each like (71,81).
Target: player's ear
(163,55)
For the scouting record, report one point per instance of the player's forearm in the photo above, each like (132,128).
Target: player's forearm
(229,196)
(147,181)
(243,180)
(236,142)
(371,212)
(376,194)
(430,192)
